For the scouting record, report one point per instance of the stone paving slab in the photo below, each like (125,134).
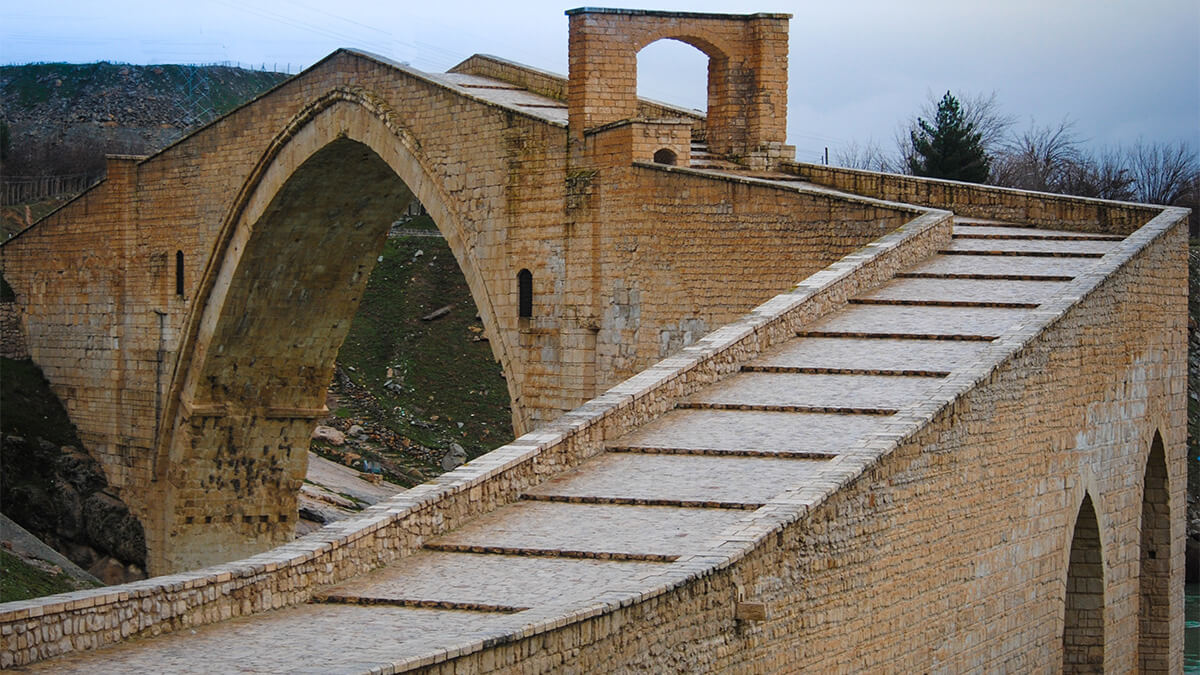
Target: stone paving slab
(967,290)
(503,580)
(830,391)
(1010,265)
(681,477)
(753,431)
(598,528)
(1015,230)
(504,94)
(1038,245)
(890,320)
(301,639)
(872,354)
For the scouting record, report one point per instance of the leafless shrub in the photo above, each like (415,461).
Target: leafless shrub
(1040,158)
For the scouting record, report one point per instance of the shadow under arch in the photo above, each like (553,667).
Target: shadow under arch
(275,302)
(1154,616)
(1083,607)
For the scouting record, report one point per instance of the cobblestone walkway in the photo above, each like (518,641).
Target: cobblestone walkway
(670,490)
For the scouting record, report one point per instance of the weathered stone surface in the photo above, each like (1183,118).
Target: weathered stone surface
(952,531)
(454,457)
(329,435)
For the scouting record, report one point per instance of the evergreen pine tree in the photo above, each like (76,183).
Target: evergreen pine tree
(950,148)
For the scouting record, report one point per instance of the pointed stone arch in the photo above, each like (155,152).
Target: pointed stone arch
(1083,607)
(273,306)
(1155,563)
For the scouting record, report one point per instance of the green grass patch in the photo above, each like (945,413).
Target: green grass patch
(21,581)
(427,377)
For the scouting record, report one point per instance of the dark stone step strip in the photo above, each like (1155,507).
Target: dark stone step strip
(984,277)
(716,452)
(811,370)
(1027,254)
(944,303)
(643,501)
(339,599)
(551,552)
(1036,237)
(950,337)
(767,407)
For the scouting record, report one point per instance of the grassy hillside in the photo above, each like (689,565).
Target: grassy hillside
(417,385)
(22,580)
(62,118)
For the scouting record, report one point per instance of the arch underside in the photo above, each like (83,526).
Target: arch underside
(278,308)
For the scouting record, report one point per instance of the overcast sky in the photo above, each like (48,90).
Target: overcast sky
(1121,69)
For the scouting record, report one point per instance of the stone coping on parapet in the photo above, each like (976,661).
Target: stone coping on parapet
(944,187)
(806,188)
(350,547)
(675,15)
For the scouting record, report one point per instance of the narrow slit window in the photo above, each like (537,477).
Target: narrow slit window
(179,273)
(524,294)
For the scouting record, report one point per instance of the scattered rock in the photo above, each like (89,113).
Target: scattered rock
(355,430)
(437,313)
(454,457)
(329,435)
(109,570)
(312,514)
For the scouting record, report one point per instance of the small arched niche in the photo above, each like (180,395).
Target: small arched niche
(665,156)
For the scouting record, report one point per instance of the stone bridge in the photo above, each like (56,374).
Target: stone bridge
(951,438)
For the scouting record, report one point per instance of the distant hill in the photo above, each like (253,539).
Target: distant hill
(62,118)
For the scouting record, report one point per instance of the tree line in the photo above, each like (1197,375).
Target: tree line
(973,140)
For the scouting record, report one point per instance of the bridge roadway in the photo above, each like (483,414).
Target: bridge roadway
(663,495)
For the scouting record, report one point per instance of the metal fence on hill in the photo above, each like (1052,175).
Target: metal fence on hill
(26,189)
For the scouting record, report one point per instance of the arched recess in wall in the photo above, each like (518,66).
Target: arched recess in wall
(1154,575)
(1083,615)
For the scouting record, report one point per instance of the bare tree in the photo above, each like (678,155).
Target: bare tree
(1163,173)
(868,157)
(1105,175)
(1040,158)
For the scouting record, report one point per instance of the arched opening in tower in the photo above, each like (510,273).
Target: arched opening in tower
(674,72)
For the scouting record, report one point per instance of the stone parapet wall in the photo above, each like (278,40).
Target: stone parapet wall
(943,547)
(38,629)
(983,201)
